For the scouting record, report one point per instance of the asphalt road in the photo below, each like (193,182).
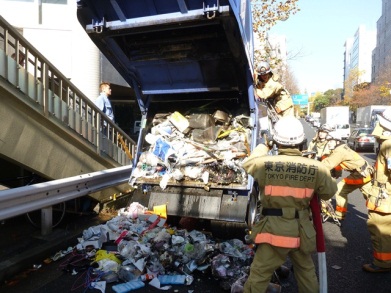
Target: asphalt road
(347,248)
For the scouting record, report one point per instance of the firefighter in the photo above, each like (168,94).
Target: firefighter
(268,87)
(379,200)
(343,158)
(319,143)
(287,183)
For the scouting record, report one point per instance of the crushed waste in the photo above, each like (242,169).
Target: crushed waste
(206,148)
(138,248)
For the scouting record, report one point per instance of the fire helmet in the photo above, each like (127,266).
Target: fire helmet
(263,68)
(325,128)
(288,131)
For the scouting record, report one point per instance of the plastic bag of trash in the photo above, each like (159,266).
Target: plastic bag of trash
(237,286)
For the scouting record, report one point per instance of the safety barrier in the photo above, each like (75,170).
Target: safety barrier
(21,200)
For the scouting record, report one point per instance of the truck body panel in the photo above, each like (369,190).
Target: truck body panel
(366,116)
(189,57)
(338,118)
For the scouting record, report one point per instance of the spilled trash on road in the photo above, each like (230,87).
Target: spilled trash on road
(138,247)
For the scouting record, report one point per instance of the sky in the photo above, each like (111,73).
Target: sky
(319,31)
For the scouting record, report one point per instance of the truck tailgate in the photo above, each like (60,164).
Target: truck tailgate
(166,46)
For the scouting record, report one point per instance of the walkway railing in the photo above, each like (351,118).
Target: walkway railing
(55,96)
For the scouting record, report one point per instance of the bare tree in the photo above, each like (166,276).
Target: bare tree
(289,80)
(266,13)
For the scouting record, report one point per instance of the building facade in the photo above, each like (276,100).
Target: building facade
(348,48)
(358,55)
(52,27)
(381,55)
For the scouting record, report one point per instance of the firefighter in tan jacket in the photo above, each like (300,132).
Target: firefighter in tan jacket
(319,144)
(379,200)
(267,86)
(287,183)
(343,158)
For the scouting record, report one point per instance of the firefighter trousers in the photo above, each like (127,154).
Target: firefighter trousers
(268,258)
(341,197)
(379,227)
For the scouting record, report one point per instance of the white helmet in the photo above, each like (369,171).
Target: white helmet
(288,131)
(263,68)
(325,128)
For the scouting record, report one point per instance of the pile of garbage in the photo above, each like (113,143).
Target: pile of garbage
(207,148)
(138,247)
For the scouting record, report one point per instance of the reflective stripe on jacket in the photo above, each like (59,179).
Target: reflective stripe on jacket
(276,240)
(299,193)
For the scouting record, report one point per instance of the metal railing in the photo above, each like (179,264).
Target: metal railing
(56,97)
(21,200)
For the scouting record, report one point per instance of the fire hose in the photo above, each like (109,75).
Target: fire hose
(320,243)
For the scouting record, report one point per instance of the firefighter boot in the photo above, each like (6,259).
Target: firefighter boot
(371,268)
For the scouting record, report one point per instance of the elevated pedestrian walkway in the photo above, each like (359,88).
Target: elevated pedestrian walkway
(47,125)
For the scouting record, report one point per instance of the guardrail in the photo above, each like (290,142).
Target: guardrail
(56,97)
(21,200)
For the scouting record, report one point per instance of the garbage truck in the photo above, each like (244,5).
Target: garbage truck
(189,64)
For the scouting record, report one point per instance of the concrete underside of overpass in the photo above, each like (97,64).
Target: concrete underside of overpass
(30,142)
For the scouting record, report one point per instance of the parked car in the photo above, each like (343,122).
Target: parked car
(361,138)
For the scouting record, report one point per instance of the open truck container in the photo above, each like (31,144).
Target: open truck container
(191,57)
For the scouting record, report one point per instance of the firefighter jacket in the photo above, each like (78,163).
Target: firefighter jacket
(275,92)
(287,183)
(379,198)
(344,158)
(320,147)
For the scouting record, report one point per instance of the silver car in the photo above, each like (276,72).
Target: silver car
(361,138)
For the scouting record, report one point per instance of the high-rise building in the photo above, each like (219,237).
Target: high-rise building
(381,55)
(348,49)
(358,55)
